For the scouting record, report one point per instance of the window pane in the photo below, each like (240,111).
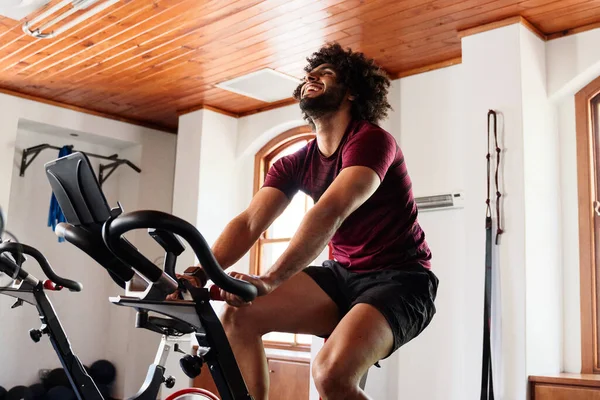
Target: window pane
(304,339)
(270,252)
(288,150)
(284,227)
(279,337)
(288,222)
(321,257)
(309,202)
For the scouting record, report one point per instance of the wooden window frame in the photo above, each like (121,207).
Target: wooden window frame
(586,172)
(261,162)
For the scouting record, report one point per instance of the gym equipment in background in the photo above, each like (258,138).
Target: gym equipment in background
(97,230)
(29,289)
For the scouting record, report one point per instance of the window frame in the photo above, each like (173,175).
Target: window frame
(588,253)
(261,161)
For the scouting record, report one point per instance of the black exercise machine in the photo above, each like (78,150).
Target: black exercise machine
(29,289)
(97,230)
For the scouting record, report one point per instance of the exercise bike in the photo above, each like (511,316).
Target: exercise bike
(98,230)
(26,288)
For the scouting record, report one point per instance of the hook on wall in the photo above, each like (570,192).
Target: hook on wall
(31,153)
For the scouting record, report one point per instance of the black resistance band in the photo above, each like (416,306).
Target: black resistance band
(487,386)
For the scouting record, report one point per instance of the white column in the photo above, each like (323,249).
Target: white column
(543,225)
(492,63)
(187,173)
(204,181)
(505,71)
(217,188)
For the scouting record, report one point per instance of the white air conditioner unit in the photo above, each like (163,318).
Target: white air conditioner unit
(440,201)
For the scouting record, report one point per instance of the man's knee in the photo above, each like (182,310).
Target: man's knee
(332,378)
(239,319)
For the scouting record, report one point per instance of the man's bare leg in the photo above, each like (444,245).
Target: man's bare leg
(362,338)
(299,305)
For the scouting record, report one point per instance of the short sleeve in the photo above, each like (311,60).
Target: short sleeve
(283,175)
(371,147)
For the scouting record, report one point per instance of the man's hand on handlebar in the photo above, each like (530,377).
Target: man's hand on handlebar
(197,277)
(194,275)
(263,286)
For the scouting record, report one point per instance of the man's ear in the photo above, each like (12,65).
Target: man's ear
(352,97)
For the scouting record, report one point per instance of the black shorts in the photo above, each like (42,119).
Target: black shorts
(404,296)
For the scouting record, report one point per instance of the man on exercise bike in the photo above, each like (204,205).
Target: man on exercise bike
(378,293)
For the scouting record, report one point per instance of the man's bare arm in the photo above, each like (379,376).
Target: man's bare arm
(352,187)
(244,230)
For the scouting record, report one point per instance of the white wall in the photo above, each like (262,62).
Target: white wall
(572,62)
(187,172)
(217,198)
(570,237)
(493,81)
(542,213)
(205,188)
(153,151)
(430,135)
(30,198)
(429,113)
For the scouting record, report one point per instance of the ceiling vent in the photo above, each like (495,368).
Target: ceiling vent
(265,85)
(19,9)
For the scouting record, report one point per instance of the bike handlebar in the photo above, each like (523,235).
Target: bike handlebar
(115,228)
(19,248)
(11,268)
(93,245)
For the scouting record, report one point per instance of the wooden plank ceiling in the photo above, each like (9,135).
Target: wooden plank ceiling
(149,60)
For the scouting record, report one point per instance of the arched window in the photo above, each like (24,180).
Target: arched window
(275,240)
(587,103)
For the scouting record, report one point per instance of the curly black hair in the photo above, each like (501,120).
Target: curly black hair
(365,80)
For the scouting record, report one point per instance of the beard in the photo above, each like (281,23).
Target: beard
(326,103)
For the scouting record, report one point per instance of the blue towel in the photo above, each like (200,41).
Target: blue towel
(55,215)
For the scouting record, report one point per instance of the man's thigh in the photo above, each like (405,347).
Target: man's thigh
(299,305)
(362,338)
(388,309)
(404,297)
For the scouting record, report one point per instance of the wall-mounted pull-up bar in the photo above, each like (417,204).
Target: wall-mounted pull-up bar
(34,151)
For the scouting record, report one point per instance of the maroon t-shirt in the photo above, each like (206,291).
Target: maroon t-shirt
(383,232)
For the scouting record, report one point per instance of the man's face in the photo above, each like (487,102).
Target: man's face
(321,93)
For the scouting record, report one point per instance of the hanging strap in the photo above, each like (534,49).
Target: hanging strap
(487,384)
(493,130)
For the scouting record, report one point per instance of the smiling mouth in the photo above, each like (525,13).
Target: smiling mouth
(311,88)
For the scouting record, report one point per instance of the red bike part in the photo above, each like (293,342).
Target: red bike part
(49,285)
(182,392)
(215,293)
